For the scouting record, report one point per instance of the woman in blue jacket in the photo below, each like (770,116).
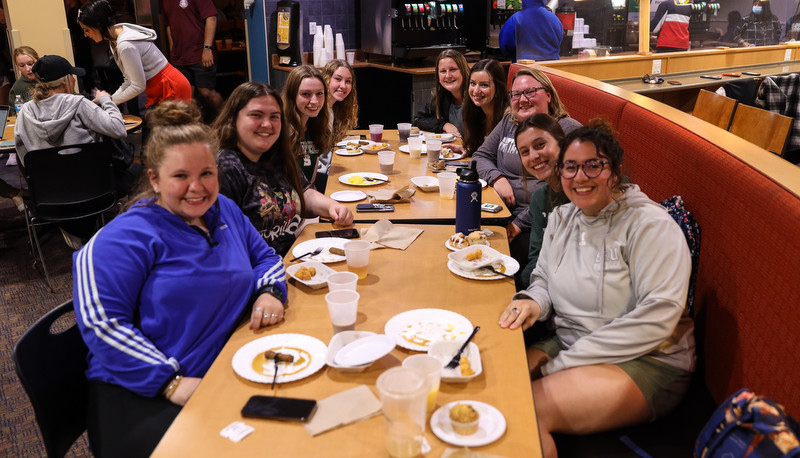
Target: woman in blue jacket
(159,290)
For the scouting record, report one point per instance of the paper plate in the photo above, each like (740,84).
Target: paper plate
(365,350)
(375,147)
(489,257)
(309,354)
(416,329)
(348,196)
(449,245)
(455,157)
(491,425)
(326,243)
(444,138)
(510,264)
(348,152)
(443,350)
(404,149)
(426,183)
(319,280)
(366,176)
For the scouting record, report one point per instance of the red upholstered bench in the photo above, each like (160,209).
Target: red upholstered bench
(747,202)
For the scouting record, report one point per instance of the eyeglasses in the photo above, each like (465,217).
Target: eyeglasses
(529,93)
(591,168)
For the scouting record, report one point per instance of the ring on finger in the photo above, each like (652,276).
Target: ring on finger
(515,310)
(258,309)
(265,315)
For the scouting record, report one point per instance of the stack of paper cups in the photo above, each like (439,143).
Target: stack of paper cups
(340,46)
(318,48)
(328,44)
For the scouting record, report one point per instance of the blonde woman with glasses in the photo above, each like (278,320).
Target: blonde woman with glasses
(498,161)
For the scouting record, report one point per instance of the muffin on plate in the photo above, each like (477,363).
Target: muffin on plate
(464,419)
(476,238)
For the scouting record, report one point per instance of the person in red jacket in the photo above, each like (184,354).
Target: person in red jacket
(671,22)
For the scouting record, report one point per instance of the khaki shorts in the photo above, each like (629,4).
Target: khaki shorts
(662,385)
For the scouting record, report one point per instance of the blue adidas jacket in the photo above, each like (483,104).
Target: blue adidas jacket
(535,30)
(154,297)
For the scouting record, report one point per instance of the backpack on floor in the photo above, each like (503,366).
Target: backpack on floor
(691,230)
(747,425)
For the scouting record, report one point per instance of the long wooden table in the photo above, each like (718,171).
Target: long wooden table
(132,124)
(425,207)
(397,281)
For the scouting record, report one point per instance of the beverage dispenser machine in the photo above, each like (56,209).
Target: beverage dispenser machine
(285,33)
(411,30)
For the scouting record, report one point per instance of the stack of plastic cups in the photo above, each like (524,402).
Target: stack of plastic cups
(327,42)
(577,37)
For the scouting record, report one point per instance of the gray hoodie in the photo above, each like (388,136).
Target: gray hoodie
(626,303)
(138,58)
(65,119)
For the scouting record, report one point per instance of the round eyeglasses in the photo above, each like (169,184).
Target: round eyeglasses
(591,168)
(529,93)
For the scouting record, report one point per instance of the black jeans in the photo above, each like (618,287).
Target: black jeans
(124,424)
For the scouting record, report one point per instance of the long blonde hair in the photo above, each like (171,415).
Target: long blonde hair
(555,108)
(345,113)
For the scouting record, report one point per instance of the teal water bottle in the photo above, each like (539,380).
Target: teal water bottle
(468,201)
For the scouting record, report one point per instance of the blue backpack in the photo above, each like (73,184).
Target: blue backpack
(747,425)
(691,230)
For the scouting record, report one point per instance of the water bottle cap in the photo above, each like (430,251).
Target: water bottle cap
(467,174)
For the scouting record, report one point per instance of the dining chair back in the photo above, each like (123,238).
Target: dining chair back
(67,183)
(714,108)
(763,128)
(50,360)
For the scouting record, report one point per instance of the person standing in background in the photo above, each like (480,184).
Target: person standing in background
(194,23)
(760,28)
(671,22)
(533,33)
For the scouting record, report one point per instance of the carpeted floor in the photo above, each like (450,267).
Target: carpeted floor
(24,298)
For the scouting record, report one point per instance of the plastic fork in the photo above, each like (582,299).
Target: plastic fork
(457,358)
(310,253)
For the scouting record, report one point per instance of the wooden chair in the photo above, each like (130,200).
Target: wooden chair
(763,128)
(714,108)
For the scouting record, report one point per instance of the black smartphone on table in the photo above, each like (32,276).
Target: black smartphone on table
(374,207)
(351,233)
(277,408)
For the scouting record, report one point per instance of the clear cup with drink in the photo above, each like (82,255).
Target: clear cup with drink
(433,147)
(376,132)
(403,393)
(430,368)
(357,254)
(447,184)
(415,147)
(386,161)
(403,131)
(343,309)
(342,281)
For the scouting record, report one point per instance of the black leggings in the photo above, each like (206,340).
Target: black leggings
(124,424)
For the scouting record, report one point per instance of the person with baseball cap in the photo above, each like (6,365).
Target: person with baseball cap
(57,116)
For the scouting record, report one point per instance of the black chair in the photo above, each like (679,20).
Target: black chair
(51,366)
(67,183)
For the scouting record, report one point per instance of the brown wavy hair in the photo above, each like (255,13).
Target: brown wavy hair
(281,154)
(474,118)
(318,127)
(439,92)
(345,113)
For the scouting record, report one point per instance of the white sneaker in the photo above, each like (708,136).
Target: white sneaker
(73,241)
(12,159)
(19,203)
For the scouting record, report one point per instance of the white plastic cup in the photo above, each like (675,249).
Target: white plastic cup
(447,184)
(351,57)
(403,131)
(415,147)
(342,281)
(430,368)
(376,132)
(403,393)
(343,309)
(357,254)
(386,161)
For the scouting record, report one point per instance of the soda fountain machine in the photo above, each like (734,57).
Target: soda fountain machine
(700,21)
(566,14)
(412,30)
